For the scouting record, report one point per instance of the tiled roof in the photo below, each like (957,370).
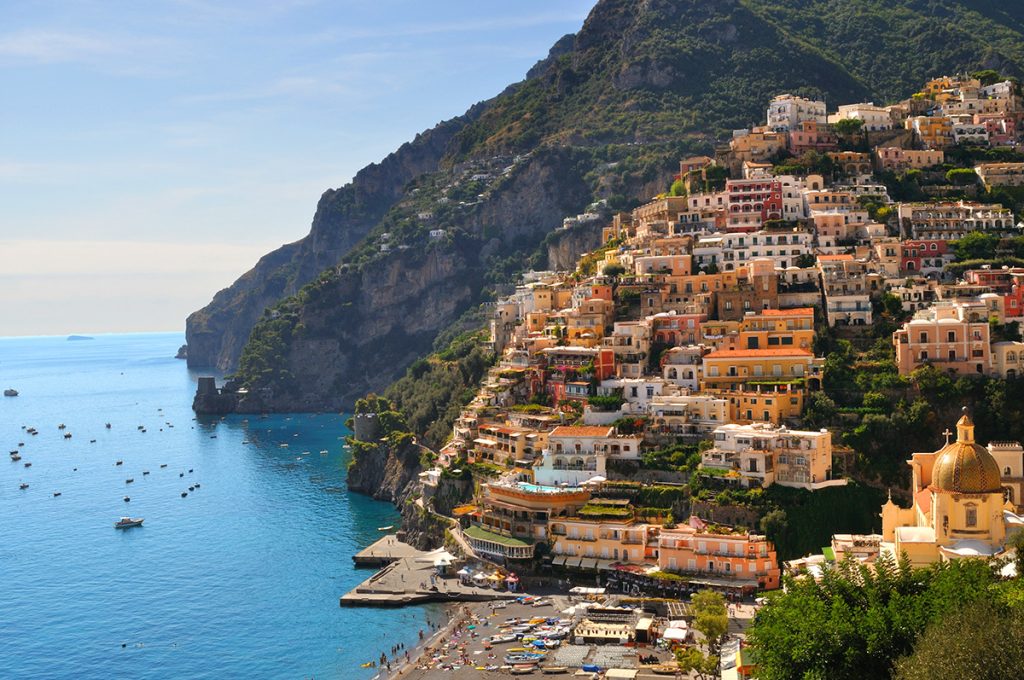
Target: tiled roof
(787,312)
(581,431)
(755,353)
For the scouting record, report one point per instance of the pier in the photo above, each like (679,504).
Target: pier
(410,576)
(385,551)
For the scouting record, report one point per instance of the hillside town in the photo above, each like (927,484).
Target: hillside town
(694,328)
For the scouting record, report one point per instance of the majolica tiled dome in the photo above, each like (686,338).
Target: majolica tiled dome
(964,466)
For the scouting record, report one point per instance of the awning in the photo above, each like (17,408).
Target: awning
(588,563)
(573,561)
(674,634)
(605,565)
(559,561)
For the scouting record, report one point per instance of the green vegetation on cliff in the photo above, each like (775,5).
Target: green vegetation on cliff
(434,389)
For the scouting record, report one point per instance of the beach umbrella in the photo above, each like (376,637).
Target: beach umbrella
(464,572)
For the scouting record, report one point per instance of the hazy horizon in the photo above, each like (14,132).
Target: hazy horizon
(162,149)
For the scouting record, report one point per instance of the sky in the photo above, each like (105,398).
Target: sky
(151,152)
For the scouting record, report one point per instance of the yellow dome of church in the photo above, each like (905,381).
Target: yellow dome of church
(964,466)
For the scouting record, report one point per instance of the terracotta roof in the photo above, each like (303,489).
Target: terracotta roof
(754,353)
(581,431)
(787,312)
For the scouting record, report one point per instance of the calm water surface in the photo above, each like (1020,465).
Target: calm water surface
(239,579)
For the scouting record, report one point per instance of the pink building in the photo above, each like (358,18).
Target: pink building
(752,202)
(811,136)
(952,336)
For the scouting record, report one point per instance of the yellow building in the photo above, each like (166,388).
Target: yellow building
(601,538)
(762,384)
(959,509)
(934,132)
(777,328)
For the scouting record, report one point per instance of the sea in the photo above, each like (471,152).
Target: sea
(238,579)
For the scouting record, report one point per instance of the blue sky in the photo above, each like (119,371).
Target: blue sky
(150,152)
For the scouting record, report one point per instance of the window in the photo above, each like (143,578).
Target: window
(971,513)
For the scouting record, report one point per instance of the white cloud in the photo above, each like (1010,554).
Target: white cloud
(55,46)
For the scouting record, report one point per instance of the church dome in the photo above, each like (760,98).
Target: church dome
(964,466)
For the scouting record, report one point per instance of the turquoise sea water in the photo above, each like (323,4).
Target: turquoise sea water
(240,579)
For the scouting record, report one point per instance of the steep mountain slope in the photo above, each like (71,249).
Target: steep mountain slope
(604,116)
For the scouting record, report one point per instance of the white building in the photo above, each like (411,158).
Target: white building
(761,454)
(786,112)
(875,118)
(577,453)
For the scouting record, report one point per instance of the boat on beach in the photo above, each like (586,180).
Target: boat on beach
(10,392)
(128,522)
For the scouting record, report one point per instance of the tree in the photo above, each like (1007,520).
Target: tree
(848,128)
(819,410)
(677,189)
(710,616)
(614,270)
(983,642)
(857,621)
(961,177)
(693,660)
(774,524)
(976,246)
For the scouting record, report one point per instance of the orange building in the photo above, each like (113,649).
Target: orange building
(746,560)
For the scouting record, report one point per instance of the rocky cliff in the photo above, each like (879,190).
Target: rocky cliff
(217,333)
(382,470)
(356,328)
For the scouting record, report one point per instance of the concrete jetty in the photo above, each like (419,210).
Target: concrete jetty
(410,577)
(385,551)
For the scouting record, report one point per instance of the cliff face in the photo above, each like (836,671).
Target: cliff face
(217,333)
(357,327)
(565,247)
(383,471)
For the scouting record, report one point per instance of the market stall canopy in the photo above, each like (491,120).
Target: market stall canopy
(674,634)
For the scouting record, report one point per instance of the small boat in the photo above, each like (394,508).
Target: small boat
(190,470)
(163,465)
(184,493)
(197,485)
(56,493)
(108,426)
(127,499)
(521,670)
(23,486)
(128,522)
(145,472)
(92,441)
(191,488)
(551,670)
(10,392)
(67,435)
(181,474)
(62,426)
(120,462)
(15,458)
(28,464)
(129,480)
(387,528)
